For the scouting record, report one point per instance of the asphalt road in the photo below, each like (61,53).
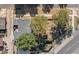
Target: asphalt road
(72,47)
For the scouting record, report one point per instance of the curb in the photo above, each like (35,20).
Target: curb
(64,43)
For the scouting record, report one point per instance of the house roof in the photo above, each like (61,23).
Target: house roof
(6,5)
(13,5)
(2,23)
(73,5)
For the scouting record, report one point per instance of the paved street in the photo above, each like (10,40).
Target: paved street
(72,47)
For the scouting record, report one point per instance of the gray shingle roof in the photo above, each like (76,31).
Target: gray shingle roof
(55,5)
(73,5)
(6,5)
(2,23)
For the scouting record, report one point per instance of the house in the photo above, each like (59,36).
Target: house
(2,31)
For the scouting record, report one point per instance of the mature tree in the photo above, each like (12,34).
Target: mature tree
(62,25)
(39,25)
(62,17)
(26,41)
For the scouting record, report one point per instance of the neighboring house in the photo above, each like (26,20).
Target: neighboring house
(2,31)
(2,26)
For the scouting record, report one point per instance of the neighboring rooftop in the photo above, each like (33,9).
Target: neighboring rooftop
(6,5)
(19,5)
(2,23)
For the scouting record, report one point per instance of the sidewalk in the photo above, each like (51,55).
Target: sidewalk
(64,43)
(56,49)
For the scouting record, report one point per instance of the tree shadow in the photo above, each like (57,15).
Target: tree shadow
(60,33)
(22,9)
(33,9)
(62,5)
(47,7)
(41,39)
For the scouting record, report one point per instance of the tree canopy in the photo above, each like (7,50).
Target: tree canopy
(62,17)
(26,41)
(61,20)
(39,25)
